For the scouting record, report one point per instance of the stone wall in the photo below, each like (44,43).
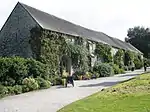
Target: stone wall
(15,34)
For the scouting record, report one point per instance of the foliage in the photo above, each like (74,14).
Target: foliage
(56,80)
(17,89)
(43,84)
(119,58)
(13,70)
(79,55)
(119,98)
(37,69)
(104,51)
(3,91)
(117,70)
(29,84)
(138,32)
(138,61)
(147,61)
(103,69)
(129,57)
(139,38)
(53,46)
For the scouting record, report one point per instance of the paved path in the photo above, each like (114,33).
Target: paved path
(53,99)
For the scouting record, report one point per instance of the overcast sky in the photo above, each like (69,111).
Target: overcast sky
(112,17)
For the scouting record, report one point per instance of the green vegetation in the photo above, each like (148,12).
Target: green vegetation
(130,96)
(19,75)
(103,69)
(103,50)
(51,52)
(119,58)
(117,69)
(139,37)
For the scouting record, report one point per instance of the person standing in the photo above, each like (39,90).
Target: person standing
(145,66)
(70,77)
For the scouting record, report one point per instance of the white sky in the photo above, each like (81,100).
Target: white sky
(112,17)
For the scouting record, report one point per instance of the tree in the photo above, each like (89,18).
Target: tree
(139,37)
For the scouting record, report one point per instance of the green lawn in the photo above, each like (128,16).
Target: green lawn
(130,96)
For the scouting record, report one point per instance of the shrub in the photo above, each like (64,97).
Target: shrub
(56,80)
(12,70)
(103,69)
(29,84)
(138,63)
(117,70)
(147,61)
(43,84)
(122,71)
(17,89)
(37,69)
(10,90)
(3,91)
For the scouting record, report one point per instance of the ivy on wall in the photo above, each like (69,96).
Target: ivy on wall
(138,61)
(48,47)
(103,50)
(79,55)
(129,57)
(119,58)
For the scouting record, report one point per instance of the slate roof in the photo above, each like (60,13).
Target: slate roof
(53,23)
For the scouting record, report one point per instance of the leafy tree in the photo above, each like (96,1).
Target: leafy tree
(139,37)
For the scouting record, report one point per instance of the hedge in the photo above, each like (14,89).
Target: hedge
(103,69)
(14,70)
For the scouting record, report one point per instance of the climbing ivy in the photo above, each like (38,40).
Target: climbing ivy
(79,55)
(119,58)
(48,47)
(129,57)
(103,50)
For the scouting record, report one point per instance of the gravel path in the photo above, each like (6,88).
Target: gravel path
(51,100)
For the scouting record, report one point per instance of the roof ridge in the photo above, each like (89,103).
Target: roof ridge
(54,23)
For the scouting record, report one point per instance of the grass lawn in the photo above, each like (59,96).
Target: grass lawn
(130,96)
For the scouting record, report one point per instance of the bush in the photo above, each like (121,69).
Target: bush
(117,70)
(43,84)
(138,62)
(17,89)
(56,80)
(3,91)
(29,84)
(13,70)
(37,69)
(103,69)
(122,71)
(10,90)
(147,61)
